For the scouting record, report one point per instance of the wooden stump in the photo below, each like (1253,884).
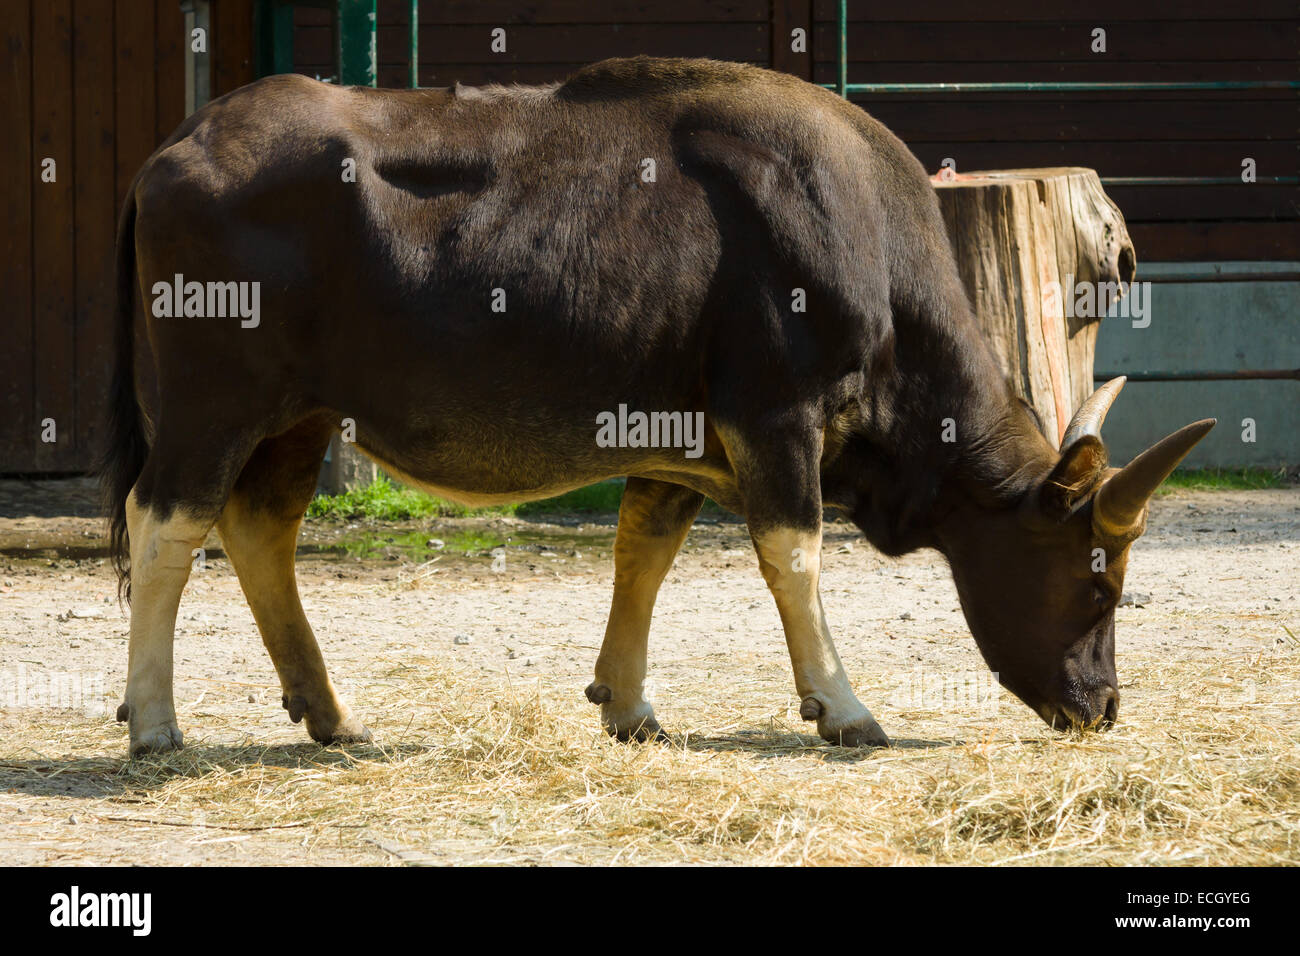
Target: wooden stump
(344,468)
(1024,240)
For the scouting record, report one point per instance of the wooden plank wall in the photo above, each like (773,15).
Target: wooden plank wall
(93,85)
(546,39)
(232,48)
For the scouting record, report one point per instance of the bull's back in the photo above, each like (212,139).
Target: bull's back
(364,211)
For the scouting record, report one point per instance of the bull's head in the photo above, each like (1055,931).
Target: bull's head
(1039,583)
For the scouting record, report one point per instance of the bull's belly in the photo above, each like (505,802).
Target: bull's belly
(460,474)
(470,493)
(460,430)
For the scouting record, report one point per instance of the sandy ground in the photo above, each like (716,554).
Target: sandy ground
(1215,577)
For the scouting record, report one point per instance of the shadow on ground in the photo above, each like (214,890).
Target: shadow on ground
(769,745)
(106,777)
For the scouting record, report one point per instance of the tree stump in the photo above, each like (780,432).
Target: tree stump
(1026,241)
(344,468)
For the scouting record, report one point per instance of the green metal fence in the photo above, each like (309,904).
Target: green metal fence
(356,56)
(844,88)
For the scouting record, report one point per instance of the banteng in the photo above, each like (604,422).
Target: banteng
(498,275)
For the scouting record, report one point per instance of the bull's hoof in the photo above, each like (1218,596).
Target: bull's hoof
(350,731)
(646,729)
(858,730)
(157,740)
(620,721)
(861,733)
(330,723)
(636,723)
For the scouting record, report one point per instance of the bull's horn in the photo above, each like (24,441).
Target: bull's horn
(1120,500)
(1087,420)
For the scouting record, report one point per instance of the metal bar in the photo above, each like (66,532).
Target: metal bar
(1249,374)
(198,72)
(415,43)
(842,67)
(1220,277)
(273,36)
(356,43)
(1195,180)
(1034,86)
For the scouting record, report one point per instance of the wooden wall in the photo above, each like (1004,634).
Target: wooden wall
(93,85)
(546,39)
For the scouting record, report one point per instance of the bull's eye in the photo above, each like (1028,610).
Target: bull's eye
(1100,597)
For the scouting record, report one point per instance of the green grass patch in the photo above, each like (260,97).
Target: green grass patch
(604,496)
(382,500)
(1224,479)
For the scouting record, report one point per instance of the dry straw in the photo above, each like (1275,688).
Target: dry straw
(473,769)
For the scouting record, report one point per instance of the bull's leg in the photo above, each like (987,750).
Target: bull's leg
(790,558)
(161,557)
(780,482)
(176,498)
(259,530)
(653,519)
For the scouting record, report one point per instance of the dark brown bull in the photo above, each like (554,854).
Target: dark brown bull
(504,272)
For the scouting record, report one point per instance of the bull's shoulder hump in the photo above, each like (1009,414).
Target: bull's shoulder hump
(644,75)
(687,82)
(791,117)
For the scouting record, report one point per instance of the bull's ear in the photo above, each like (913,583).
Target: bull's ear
(1083,455)
(1078,472)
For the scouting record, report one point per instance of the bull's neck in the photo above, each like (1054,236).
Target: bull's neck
(955,437)
(1003,455)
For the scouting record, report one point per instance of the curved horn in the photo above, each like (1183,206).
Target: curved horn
(1120,501)
(1087,420)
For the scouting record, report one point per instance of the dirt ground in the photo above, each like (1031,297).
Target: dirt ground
(485,750)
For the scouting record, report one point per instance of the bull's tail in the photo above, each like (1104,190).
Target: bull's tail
(127,446)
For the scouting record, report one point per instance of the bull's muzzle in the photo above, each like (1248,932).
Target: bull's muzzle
(1096,710)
